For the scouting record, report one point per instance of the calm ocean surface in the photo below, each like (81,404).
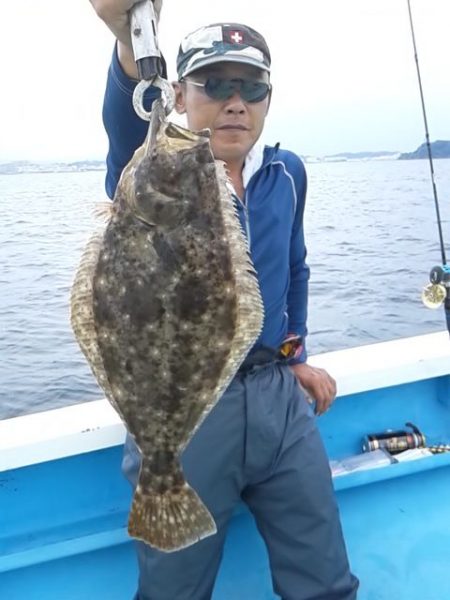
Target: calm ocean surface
(371,235)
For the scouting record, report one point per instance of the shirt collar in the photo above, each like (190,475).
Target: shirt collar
(253,162)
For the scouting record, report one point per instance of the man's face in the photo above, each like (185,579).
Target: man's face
(235,124)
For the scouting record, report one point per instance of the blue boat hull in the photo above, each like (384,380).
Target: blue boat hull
(63,533)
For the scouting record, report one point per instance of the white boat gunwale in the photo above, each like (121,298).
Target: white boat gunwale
(90,426)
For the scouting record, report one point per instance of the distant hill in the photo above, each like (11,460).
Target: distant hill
(439,149)
(360,155)
(352,156)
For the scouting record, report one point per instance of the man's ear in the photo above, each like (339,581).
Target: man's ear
(180,104)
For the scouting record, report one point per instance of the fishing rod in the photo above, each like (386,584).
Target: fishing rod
(437,292)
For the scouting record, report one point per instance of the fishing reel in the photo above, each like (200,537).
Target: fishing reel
(438,290)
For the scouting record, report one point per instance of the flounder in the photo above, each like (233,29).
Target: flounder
(165,306)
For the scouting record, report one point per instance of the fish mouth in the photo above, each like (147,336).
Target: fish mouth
(168,134)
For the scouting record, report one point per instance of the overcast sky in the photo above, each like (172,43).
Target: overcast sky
(343,72)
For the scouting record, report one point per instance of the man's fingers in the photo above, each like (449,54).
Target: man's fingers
(322,404)
(326,393)
(332,386)
(115,14)
(158,7)
(318,386)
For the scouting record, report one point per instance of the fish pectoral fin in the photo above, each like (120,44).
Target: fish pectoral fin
(171,520)
(103,210)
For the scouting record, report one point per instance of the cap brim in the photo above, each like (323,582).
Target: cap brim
(243,60)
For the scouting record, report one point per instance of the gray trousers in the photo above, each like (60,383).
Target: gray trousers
(259,444)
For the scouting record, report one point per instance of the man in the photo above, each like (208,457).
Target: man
(260,443)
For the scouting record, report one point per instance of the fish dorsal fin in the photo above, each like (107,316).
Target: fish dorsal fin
(82,311)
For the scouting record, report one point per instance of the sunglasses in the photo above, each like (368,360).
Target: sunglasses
(223,89)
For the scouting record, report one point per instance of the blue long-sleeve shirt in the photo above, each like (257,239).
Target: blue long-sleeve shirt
(271,212)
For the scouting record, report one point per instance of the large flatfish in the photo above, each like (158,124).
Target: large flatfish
(165,305)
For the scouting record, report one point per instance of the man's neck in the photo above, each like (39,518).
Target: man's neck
(240,172)
(235,174)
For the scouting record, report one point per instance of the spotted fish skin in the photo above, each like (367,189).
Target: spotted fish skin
(166,306)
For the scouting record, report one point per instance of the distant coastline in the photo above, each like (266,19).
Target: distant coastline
(439,149)
(25,166)
(352,156)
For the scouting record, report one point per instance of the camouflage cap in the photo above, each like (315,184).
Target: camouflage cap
(222,42)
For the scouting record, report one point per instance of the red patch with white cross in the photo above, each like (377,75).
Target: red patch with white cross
(234,36)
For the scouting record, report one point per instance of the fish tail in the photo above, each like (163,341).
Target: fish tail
(169,521)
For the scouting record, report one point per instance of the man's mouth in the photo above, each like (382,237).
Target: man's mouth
(235,126)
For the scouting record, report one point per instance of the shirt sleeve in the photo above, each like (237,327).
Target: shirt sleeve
(126,131)
(297,298)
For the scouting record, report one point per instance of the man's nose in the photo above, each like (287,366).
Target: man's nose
(235,104)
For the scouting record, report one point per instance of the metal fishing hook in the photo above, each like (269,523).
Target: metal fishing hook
(144,38)
(167,95)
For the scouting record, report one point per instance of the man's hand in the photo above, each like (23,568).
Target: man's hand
(317,384)
(115,14)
